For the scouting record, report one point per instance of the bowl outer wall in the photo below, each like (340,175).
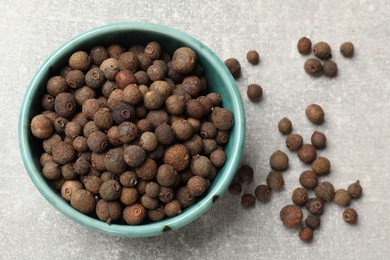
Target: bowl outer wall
(219,80)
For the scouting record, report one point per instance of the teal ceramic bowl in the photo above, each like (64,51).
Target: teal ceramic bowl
(219,80)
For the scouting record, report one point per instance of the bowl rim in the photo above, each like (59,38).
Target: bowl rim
(149,229)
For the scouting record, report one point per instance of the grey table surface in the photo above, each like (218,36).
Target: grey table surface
(357,106)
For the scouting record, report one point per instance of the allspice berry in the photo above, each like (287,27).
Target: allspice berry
(56,85)
(321,166)
(279,161)
(108,211)
(114,161)
(83,201)
(184,60)
(148,170)
(318,140)
(97,142)
(342,198)
(254,92)
(308,179)
(325,191)
(291,216)
(313,67)
(92,184)
(222,118)
(347,49)
(275,181)
(134,155)
(128,179)
(322,50)
(329,68)
(355,190)
(315,206)
(218,158)
(350,216)
(304,46)
(148,141)
(234,67)
(315,114)
(294,142)
(182,129)
(263,193)
(285,126)
(184,197)
(177,156)
(128,196)
(134,214)
(41,127)
(306,234)
(69,187)
(307,153)
(313,221)
(200,165)
(248,200)
(110,190)
(300,196)
(152,189)
(166,175)
(253,57)
(172,208)
(63,153)
(197,186)
(79,60)
(235,189)
(245,174)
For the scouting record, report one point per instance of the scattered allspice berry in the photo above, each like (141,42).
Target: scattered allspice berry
(322,50)
(275,181)
(263,193)
(313,67)
(254,92)
(325,191)
(315,114)
(307,153)
(313,221)
(304,46)
(248,200)
(355,190)
(235,189)
(342,198)
(318,140)
(294,142)
(234,67)
(291,216)
(308,179)
(315,206)
(285,126)
(279,161)
(321,166)
(329,68)
(306,234)
(347,49)
(245,173)
(300,196)
(350,215)
(253,57)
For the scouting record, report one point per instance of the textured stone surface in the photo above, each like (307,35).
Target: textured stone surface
(357,106)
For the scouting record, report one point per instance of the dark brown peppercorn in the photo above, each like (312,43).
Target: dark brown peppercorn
(97,161)
(148,170)
(330,68)
(156,214)
(98,54)
(48,102)
(110,73)
(322,50)
(172,208)
(318,140)
(113,136)
(83,201)
(128,132)
(194,108)
(275,181)
(307,153)
(248,200)
(63,153)
(313,67)
(95,78)
(253,57)
(108,211)
(73,129)
(196,186)
(45,158)
(177,156)
(157,117)
(308,179)
(166,175)
(69,187)
(142,78)
(315,206)
(153,50)
(97,142)
(144,125)
(128,61)
(184,60)
(194,145)
(350,216)
(134,214)
(51,171)
(234,67)
(279,161)
(81,118)
(215,98)
(114,161)
(218,158)
(321,166)
(342,198)
(48,144)
(306,234)
(182,129)
(200,165)
(235,189)
(294,142)
(175,105)
(65,104)
(245,174)
(304,46)
(79,60)
(75,79)
(134,155)
(164,134)
(313,221)
(68,171)
(166,194)
(148,202)
(56,85)
(128,179)
(291,216)
(84,93)
(347,49)
(131,94)
(110,190)
(254,92)
(192,85)
(123,112)
(152,189)
(106,176)
(222,118)
(315,114)
(263,193)
(285,126)
(92,184)
(51,115)
(222,137)
(90,107)
(355,190)
(124,78)
(185,198)
(157,70)
(81,166)
(325,191)
(300,196)
(115,50)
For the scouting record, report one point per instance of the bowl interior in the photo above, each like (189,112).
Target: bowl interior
(218,78)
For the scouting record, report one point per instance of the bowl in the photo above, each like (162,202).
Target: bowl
(219,80)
